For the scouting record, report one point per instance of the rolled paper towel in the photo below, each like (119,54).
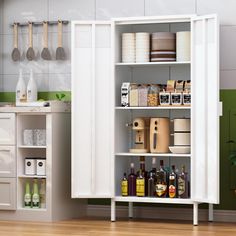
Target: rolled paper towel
(128,47)
(183,46)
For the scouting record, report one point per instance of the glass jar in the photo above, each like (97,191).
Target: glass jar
(153,95)
(133,98)
(142,95)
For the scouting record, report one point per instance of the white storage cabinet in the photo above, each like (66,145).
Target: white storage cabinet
(100,139)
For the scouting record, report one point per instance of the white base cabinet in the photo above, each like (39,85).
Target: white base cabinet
(100,138)
(55,120)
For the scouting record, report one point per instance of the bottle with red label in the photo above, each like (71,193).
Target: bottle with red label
(173,183)
(161,181)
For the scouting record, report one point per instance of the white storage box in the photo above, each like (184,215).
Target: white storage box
(30,166)
(41,166)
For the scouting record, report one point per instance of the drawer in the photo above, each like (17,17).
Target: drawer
(7,129)
(8,194)
(7,161)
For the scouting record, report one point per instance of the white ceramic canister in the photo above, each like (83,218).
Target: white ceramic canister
(182,139)
(128,47)
(183,46)
(142,47)
(182,125)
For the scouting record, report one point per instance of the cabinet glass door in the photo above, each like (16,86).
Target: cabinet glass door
(205,109)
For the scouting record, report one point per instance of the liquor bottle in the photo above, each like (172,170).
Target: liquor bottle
(144,173)
(151,186)
(35,196)
(154,169)
(140,185)
(42,194)
(132,181)
(27,197)
(183,184)
(124,186)
(173,183)
(161,181)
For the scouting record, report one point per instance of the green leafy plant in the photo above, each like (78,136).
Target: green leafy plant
(60,96)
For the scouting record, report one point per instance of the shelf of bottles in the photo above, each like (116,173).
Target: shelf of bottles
(162,184)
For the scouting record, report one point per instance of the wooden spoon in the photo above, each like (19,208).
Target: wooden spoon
(45,54)
(16,52)
(60,52)
(30,52)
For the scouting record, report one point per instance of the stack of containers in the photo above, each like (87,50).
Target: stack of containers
(142,47)
(128,47)
(163,46)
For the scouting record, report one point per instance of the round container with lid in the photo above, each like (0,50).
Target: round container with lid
(183,46)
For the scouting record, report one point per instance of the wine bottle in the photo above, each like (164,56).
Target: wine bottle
(151,186)
(140,185)
(161,181)
(144,173)
(124,186)
(173,184)
(132,181)
(183,184)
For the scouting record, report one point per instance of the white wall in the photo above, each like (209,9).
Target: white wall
(55,76)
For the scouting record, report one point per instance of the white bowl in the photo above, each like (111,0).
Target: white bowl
(180,149)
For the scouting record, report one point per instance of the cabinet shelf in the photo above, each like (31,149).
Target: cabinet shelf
(33,176)
(33,147)
(164,63)
(155,108)
(154,200)
(152,154)
(31,209)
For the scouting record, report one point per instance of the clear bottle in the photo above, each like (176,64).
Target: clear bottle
(32,91)
(20,89)
(140,185)
(42,193)
(173,183)
(132,181)
(27,197)
(35,196)
(124,186)
(183,184)
(161,181)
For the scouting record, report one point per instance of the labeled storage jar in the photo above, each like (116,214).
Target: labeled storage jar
(133,98)
(153,95)
(142,95)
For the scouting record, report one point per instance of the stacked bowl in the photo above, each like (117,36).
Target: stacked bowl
(142,47)
(128,47)
(163,46)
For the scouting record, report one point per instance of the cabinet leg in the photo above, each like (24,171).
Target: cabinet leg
(113,210)
(195,214)
(130,209)
(210,212)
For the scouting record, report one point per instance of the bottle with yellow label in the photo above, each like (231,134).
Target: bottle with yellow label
(124,186)
(140,185)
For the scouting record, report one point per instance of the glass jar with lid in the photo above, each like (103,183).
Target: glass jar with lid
(153,91)
(142,95)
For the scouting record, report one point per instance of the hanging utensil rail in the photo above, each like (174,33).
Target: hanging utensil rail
(65,22)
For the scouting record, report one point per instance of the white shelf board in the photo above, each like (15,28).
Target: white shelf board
(152,154)
(33,176)
(154,200)
(164,63)
(155,108)
(34,147)
(32,209)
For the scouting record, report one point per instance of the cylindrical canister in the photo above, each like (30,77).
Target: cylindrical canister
(128,47)
(183,46)
(142,47)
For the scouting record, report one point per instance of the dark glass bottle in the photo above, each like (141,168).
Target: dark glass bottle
(124,186)
(154,169)
(140,185)
(151,186)
(132,181)
(161,181)
(144,173)
(173,183)
(183,184)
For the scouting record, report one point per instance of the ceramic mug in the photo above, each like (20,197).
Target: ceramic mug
(182,125)
(182,139)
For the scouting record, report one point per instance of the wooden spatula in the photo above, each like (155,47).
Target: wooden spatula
(60,52)
(45,54)
(16,52)
(30,52)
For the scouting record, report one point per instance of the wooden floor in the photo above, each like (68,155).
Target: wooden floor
(95,227)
